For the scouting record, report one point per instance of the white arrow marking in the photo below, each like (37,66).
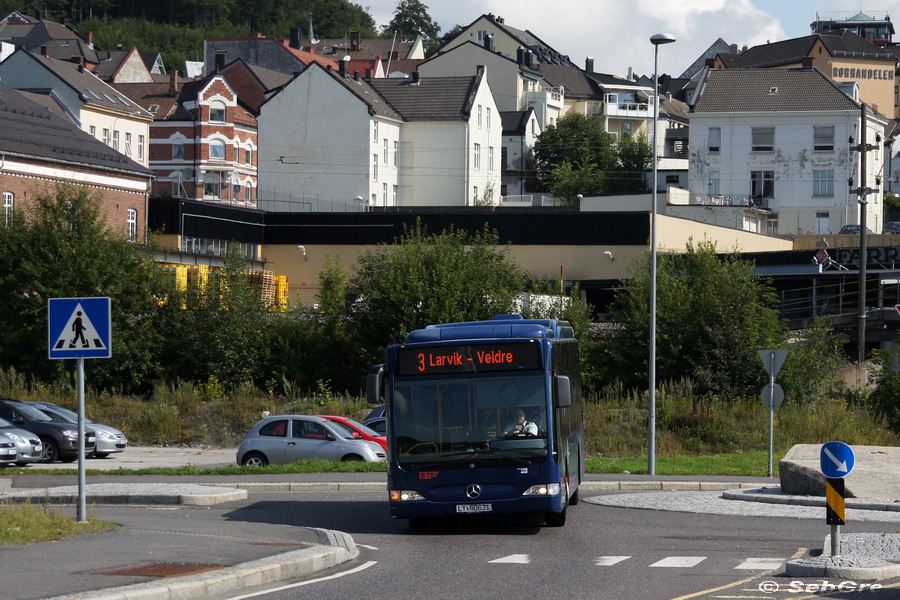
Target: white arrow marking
(841,466)
(521,559)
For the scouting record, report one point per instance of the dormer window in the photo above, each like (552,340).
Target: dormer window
(773,91)
(217,111)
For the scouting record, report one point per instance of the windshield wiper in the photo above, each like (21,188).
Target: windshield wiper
(469,454)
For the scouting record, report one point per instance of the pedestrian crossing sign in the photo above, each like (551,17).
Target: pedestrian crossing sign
(79,328)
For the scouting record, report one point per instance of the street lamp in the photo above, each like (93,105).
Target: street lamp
(657,40)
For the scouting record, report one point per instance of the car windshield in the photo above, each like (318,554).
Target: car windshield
(360,427)
(33,413)
(464,420)
(4,424)
(346,429)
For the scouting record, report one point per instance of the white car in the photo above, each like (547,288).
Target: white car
(29,448)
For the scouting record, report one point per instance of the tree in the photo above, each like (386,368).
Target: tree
(60,246)
(411,18)
(430,278)
(578,140)
(713,315)
(635,157)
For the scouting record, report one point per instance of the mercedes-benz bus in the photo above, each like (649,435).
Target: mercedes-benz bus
(483,417)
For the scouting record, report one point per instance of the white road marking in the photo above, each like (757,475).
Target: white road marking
(679,561)
(608,561)
(302,583)
(761,564)
(519,559)
(366,547)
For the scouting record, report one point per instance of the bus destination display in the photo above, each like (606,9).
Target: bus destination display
(475,358)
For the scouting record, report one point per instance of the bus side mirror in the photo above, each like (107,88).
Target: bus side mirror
(563,391)
(374,384)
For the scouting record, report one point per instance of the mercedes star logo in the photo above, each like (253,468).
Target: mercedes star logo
(473,491)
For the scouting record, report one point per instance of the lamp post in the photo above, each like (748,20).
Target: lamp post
(657,40)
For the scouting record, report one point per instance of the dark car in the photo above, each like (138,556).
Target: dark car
(891,227)
(60,440)
(852,229)
(379,410)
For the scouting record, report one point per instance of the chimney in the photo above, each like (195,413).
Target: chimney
(589,64)
(356,75)
(354,40)
(173,81)
(90,39)
(368,73)
(733,48)
(529,59)
(415,77)
(220,61)
(809,62)
(711,63)
(489,43)
(520,56)
(45,50)
(295,38)
(395,55)
(342,67)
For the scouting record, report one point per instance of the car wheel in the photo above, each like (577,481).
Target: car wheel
(51,451)
(254,459)
(352,458)
(555,519)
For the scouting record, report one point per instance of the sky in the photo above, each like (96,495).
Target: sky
(616,33)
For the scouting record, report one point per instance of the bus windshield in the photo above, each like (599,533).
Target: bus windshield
(464,420)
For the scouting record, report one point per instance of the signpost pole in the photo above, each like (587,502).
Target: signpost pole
(82,499)
(771,409)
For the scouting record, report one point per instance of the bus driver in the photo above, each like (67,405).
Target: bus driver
(520,426)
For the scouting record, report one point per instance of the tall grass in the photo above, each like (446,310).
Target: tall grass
(204,413)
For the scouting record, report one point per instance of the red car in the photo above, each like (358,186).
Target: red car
(358,430)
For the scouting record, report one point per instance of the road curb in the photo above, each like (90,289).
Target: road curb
(337,548)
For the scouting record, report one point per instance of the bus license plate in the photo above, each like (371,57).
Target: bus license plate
(473,508)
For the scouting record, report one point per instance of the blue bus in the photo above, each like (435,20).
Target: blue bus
(483,417)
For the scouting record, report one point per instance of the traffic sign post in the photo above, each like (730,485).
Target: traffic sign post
(79,328)
(772,394)
(837,461)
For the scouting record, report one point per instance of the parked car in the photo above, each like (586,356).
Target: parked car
(8,452)
(59,440)
(29,448)
(378,425)
(358,430)
(852,229)
(379,410)
(284,439)
(109,439)
(891,227)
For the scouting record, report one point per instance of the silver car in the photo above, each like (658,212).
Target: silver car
(283,439)
(28,445)
(109,439)
(8,452)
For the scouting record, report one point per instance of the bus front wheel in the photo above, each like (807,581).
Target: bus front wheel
(555,519)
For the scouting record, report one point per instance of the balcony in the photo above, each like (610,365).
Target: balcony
(683,197)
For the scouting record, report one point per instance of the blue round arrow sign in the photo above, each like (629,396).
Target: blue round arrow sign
(837,459)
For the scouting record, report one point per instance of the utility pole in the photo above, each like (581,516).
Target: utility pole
(862,192)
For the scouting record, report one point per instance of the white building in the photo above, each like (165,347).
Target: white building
(778,148)
(331,141)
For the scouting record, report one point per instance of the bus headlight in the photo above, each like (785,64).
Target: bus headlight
(544,489)
(405,495)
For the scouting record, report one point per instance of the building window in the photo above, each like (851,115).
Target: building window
(248,194)
(375,131)
(713,186)
(384,193)
(177,150)
(116,140)
(374,167)
(93,131)
(626,129)
(477,161)
(394,196)
(9,204)
(248,156)
(763,139)
(127,144)
(823,183)
(106,136)
(217,150)
(479,116)
(490,158)
(475,195)
(131,219)
(487,118)
(140,147)
(385,152)
(823,139)
(673,179)
(212,187)
(715,139)
(217,111)
(396,153)
(762,184)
